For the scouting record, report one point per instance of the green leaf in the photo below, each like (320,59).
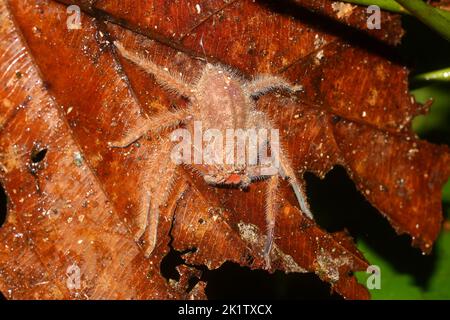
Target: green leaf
(396,284)
(437,121)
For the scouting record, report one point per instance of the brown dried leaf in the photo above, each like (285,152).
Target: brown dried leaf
(69,92)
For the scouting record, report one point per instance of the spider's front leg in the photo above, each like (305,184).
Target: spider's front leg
(156,185)
(271,211)
(272,206)
(287,172)
(155,124)
(266,83)
(167,79)
(284,168)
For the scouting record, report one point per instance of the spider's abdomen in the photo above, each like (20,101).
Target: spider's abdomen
(223,102)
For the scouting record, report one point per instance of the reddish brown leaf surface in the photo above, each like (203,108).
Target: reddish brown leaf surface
(69,92)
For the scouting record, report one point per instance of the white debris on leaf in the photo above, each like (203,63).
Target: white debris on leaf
(329,266)
(343,10)
(198,8)
(251,234)
(319,41)
(77,158)
(319,56)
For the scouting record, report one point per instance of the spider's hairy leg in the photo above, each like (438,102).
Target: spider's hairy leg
(160,197)
(157,187)
(155,124)
(286,172)
(142,215)
(271,211)
(266,83)
(161,74)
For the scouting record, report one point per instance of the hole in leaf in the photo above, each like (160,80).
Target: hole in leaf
(335,201)
(192,283)
(171,261)
(169,264)
(38,154)
(232,281)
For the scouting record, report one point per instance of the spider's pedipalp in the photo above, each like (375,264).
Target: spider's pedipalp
(162,75)
(266,83)
(157,185)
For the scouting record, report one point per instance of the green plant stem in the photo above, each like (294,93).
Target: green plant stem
(389,5)
(428,15)
(393,6)
(437,75)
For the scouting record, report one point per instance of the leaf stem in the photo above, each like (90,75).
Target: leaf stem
(437,75)
(428,15)
(393,6)
(389,5)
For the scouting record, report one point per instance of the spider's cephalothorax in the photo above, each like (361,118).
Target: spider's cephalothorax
(222,101)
